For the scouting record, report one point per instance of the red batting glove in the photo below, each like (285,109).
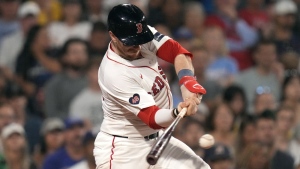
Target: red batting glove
(192,85)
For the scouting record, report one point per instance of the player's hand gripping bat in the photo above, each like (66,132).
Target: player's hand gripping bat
(163,140)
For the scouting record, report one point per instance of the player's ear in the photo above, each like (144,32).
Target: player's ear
(112,36)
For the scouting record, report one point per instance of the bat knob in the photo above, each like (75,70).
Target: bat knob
(152,160)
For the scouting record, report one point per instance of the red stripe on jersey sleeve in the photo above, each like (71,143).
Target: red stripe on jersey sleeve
(147,115)
(170,49)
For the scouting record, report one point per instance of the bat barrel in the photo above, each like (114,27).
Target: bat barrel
(163,140)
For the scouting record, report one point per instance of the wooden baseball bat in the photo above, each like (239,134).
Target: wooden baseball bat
(163,140)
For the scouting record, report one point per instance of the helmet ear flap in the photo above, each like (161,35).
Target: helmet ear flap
(128,23)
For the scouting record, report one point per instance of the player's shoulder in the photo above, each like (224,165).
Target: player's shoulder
(158,37)
(158,40)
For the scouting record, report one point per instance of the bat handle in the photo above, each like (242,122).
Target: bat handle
(182,112)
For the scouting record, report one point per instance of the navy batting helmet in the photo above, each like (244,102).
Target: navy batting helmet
(128,23)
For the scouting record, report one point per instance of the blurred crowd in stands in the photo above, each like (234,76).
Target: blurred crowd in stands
(246,53)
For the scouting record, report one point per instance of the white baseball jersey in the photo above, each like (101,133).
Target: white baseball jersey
(129,86)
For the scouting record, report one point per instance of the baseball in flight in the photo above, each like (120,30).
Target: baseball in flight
(206,141)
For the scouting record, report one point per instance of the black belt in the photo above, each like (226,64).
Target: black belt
(151,136)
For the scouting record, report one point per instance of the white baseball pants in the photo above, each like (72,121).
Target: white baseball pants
(130,153)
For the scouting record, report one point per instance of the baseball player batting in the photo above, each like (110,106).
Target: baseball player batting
(137,100)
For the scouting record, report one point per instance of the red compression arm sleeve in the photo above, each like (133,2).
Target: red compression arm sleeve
(170,49)
(147,115)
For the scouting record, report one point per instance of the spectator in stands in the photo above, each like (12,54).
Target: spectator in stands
(255,14)
(94,11)
(15,148)
(51,139)
(34,65)
(262,73)
(155,14)
(220,125)
(200,62)
(70,26)
(291,94)
(8,18)
(266,133)
(285,118)
(290,60)
(87,104)
(31,123)
(239,35)
(99,40)
(89,161)
(219,157)
(294,146)
(192,130)
(246,134)
(184,37)
(234,96)
(264,99)
(297,25)
(194,18)
(63,87)
(284,21)
(172,14)
(72,152)
(254,156)
(221,68)
(142,4)
(12,44)
(50,11)
(201,113)
(7,115)
(3,83)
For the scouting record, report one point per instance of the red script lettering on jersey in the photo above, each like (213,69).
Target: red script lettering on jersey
(158,84)
(162,73)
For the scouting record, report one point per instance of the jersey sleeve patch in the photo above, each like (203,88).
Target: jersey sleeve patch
(135,99)
(158,36)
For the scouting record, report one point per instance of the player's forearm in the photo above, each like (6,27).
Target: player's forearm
(155,117)
(164,117)
(185,71)
(183,61)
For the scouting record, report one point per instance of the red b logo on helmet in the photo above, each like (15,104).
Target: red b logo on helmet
(139,27)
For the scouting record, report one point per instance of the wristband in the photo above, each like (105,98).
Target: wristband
(185,72)
(175,112)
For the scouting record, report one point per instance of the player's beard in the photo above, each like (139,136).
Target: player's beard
(128,52)
(133,52)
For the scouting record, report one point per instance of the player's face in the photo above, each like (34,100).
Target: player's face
(127,52)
